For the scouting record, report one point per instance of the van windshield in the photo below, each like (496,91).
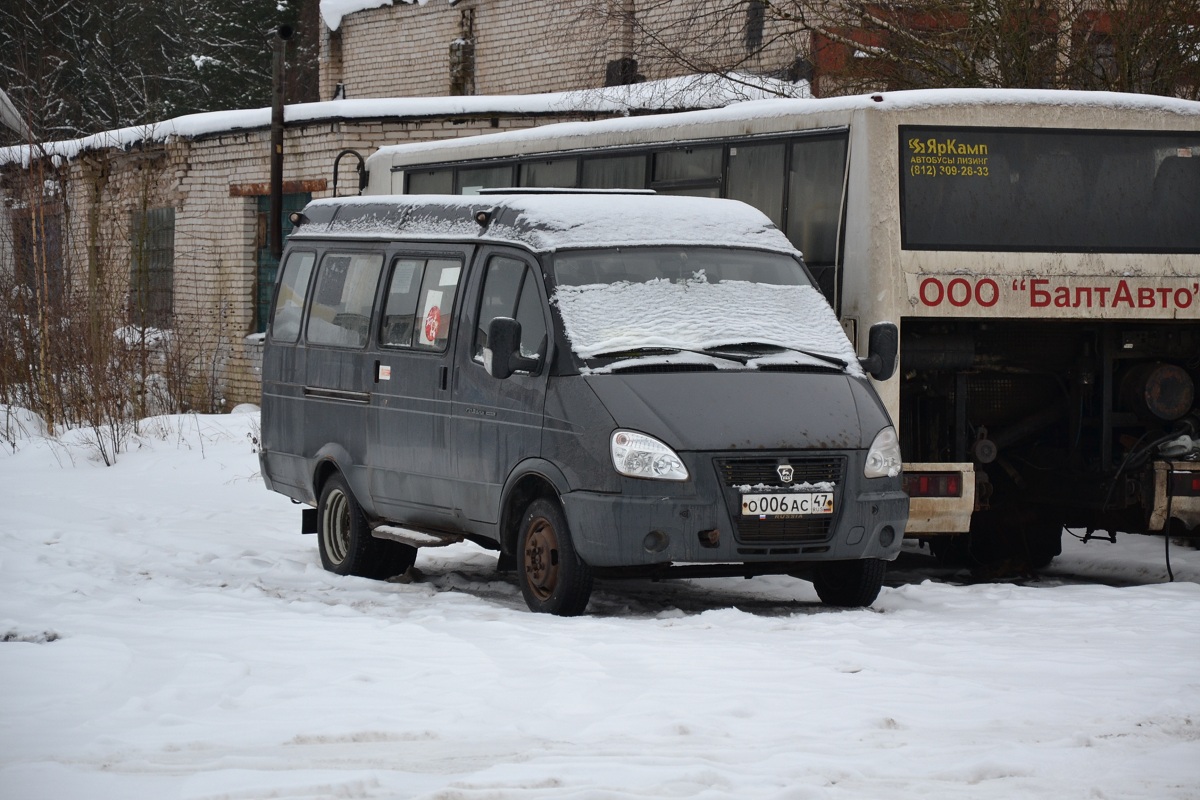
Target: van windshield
(702,307)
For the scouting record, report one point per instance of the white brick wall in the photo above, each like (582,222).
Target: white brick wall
(215,263)
(530,46)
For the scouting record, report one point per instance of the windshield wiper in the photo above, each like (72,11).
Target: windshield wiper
(641,352)
(764,348)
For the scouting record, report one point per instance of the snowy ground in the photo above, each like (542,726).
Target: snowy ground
(168,634)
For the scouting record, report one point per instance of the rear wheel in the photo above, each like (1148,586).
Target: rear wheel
(1009,539)
(345,541)
(553,578)
(849,584)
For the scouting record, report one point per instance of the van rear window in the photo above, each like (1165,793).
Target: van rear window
(289,303)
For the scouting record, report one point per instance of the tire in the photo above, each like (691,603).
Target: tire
(345,541)
(1043,542)
(553,578)
(1010,540)
(849,584)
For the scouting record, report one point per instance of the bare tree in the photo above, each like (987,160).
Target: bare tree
(77,67)
(850,46)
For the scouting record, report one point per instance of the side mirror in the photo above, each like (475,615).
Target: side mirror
(883,343)
(502,356)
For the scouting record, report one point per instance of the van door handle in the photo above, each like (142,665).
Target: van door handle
(444,377)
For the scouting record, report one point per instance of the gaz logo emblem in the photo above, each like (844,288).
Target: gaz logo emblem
(786,473)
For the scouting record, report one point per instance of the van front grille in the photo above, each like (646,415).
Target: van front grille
(736,473)
(755,471)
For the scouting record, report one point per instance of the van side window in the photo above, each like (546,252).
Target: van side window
(289,303)
(400,304)
(420,302)
(340,313)
(510,290)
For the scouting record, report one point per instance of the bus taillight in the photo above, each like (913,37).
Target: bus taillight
(1184,484)
(933,484)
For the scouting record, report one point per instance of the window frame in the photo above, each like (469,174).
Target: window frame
(152,267)
(424,256)
(315,283)
(532,270)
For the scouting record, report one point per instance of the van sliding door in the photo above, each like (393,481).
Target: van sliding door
(411,450)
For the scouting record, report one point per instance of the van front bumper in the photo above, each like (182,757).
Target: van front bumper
(700,521)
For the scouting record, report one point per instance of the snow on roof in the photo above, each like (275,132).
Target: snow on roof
(554,221)
(694,91)
(332,11)
(783,107)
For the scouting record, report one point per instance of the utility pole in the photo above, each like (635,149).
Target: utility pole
(279,37)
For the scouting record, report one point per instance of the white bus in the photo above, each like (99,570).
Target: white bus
(1040,251)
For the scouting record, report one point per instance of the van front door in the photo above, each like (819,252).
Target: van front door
(498,423)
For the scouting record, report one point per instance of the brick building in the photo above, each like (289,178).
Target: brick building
(455,47)
(168,223)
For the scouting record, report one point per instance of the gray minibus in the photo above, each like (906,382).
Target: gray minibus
(597,385)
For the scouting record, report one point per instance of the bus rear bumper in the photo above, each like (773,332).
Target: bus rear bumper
(933,514)
(1175,494)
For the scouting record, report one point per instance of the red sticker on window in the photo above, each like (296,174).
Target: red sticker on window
(433,323)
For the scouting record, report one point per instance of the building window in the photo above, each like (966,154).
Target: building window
(38,253)
(756,15)
(152,269)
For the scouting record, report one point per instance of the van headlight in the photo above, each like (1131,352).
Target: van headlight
(883,458)
(640,456)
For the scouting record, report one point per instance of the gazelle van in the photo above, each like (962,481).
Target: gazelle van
(595,385)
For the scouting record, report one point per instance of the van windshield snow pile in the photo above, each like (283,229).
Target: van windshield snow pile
(709,307)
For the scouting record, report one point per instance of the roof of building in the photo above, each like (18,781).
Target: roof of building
(672,94)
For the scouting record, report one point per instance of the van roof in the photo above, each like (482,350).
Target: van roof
(545,222)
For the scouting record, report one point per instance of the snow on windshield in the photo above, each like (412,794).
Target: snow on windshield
(694,314)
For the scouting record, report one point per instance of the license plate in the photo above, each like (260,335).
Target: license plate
(799,504)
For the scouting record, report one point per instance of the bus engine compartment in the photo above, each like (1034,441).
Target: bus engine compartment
(1071,423)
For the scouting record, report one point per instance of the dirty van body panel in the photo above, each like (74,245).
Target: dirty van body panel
(576,435)
(663,523)
(732,430)
(285,470)
(737,410)
(337,401)
(411,475)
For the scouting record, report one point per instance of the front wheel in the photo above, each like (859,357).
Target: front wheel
(345,541)
(553,578)
(849,584)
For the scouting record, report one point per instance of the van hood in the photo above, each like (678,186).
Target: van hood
(744,410)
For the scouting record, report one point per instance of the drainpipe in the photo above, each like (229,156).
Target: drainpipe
(279,37)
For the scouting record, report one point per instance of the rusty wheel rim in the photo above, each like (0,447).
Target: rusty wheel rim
(541,558)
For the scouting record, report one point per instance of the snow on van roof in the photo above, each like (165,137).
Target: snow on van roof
(548,222)
(751,109)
